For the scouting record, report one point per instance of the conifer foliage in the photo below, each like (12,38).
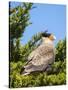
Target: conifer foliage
(19,19)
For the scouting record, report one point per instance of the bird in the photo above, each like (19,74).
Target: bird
(43,56)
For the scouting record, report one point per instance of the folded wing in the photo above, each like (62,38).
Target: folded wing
(40,58)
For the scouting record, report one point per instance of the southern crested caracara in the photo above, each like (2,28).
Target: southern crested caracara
(42,57)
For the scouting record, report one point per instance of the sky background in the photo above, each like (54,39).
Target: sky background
(46,16)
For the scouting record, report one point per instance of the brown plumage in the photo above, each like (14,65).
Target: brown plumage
(41,57)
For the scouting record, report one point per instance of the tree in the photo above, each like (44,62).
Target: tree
(18,21)
(61,50)
(56,76)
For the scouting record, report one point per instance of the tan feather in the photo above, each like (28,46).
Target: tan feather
(41,57)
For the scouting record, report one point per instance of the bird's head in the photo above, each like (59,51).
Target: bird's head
(48,35)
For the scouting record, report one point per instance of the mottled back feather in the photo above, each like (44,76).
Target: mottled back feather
(41,57)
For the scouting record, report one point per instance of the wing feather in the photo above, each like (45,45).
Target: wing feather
(43,54)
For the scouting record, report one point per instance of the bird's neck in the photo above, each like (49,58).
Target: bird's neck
(46,40)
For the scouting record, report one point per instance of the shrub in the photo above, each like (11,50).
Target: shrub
(56,76)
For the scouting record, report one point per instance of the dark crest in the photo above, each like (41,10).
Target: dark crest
(45,34)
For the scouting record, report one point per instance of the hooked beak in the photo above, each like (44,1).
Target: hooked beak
(54,37)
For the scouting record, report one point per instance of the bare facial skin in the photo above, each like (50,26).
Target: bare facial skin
(52,37)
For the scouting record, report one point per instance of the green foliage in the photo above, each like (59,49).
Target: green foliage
(56,76)
(61,50)
(19,20)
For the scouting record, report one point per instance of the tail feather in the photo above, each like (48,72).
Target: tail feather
(23,72)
